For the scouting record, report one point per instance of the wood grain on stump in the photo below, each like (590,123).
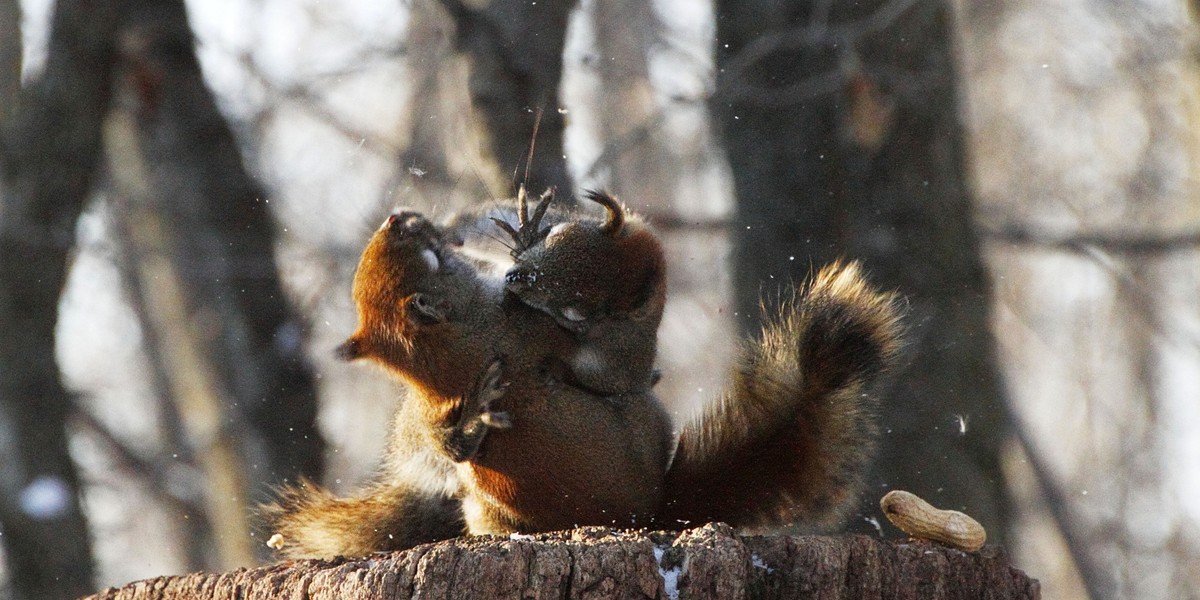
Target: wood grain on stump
(598,563)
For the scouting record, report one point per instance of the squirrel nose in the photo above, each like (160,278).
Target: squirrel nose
(518,278)
(403,221)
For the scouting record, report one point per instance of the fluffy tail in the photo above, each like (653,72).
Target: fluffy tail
(788,441)
(312,523)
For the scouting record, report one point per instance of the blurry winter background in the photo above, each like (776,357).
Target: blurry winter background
(1023,171)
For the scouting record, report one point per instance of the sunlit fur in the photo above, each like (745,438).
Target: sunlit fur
(412,499)
(787,443)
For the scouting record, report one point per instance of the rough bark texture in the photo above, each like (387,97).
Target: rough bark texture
(840,124)
(597,563)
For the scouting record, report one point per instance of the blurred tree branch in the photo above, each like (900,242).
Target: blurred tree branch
(154,474)
(1084,164)
(741,79)
(1119,242)
(310,100)
(213,213)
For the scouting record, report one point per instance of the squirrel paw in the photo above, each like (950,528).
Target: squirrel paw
(490,388)
(529,230)
(463,440)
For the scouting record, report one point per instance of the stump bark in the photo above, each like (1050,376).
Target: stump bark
(598,563)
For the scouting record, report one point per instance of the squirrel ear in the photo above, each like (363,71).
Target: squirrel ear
(646,282)
(616,213)
(351,349)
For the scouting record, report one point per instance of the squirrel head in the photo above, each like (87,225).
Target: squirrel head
(588,269)
(391,286)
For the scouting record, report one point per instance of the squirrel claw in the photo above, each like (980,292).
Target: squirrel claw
(528,231)
(496,419)
(502,224)
(543,204)
(491,388)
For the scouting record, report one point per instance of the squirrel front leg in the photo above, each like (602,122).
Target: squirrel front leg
(462,441)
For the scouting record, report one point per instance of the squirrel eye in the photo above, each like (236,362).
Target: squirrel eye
(431,259)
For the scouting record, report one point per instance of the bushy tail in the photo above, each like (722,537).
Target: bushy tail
(312,523)
(789,440)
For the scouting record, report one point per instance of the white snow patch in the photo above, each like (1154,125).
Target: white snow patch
(670,577)
(875,523)
(759,563)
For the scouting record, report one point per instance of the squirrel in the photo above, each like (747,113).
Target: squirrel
(604,280)
(785,444)
(432,318)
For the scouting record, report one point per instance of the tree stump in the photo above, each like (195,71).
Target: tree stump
(598,563)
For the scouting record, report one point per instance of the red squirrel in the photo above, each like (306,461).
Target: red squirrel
(786,443)
(604,280)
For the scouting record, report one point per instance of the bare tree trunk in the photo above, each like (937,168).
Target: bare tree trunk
(134,219)
(240,373)
(624,31)
(10,56)
(1085,159)
(51,144)
(598,564)
(515,49)
(840,122)
(177,350)
(448,163)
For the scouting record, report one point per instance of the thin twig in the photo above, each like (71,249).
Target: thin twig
(1082,243)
